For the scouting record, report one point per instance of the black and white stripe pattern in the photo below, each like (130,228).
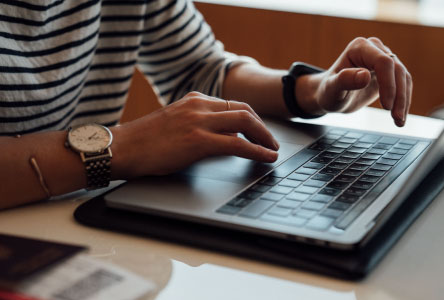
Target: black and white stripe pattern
(66,62)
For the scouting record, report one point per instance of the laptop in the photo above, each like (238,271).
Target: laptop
(332,187)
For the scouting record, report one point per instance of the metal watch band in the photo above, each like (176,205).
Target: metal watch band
(288,87)
(98,170)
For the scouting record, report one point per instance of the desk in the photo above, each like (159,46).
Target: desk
(412,270)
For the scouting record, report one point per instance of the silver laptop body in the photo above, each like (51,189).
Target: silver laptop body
(210,191)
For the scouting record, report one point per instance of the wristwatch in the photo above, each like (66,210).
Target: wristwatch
(92,142)
(288,87)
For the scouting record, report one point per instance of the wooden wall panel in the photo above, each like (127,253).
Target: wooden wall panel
(277,38)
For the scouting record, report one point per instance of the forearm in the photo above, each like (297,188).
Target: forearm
(261,88)
(61,167)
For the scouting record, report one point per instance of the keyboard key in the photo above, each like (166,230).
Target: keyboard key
(261,188)
(341,145)
(350,154)
(229,210)
(398,151)
(290,220)
(256,208)
(381,167)
(408,141)
(382,146)
(403,146)
(362,185)
(330,171)
(323,177)
(351,172)
(355,192)
(347,140)
(388,140)
(339,205)
(290,183)
(370,138)
(306,213)
(281,189)
(364,161)
(347,198)
(270,180)
(314,183)
(328,154)
(289,203)
(359,167)
(321,198)
(313,165)
(345,178)
(319,146)
(332,213)
(371,156)
(321,160)
(332,136)
(354,135)
(336,150)
(272,196)
(363,145)
(385,161)
(369,178)
(249,194)
(326,141)
(279,211)
(320,223)
(306,171)
(312,205)
(338,185)
(344,160)
(338,165)
(374,172)
(297,196)
(306,189)
(377,151)
(392,156)
(356,150)
(300,177)
(330,191)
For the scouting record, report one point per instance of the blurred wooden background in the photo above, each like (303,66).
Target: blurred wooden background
(277,38)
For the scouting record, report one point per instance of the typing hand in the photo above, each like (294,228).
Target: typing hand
(193,128)
(365,70)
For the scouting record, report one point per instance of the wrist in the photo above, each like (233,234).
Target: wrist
(306,93)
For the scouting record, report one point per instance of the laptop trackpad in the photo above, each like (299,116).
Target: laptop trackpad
(201,187)
(238,170)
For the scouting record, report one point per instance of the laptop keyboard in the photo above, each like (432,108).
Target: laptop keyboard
(327,185)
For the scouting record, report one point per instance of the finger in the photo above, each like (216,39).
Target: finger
(245,123)
(399,107)
(403,85)
(365,53)
(339,84)
(409,95)
(236,105)
(228,145)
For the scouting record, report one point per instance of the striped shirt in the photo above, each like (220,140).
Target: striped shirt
(68,62)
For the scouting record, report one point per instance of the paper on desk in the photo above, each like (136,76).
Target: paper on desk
(84,278)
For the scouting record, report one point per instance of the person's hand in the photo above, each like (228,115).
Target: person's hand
(364,68)
(186,131)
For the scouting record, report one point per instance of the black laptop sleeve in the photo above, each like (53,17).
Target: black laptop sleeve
(354,264)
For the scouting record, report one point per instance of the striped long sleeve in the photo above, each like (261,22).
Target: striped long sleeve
(69,62)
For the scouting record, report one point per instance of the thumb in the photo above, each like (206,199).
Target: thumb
(351,79)
(338,85)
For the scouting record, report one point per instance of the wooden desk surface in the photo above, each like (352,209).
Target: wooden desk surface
(412,270)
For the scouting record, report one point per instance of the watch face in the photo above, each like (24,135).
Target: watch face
(90,138)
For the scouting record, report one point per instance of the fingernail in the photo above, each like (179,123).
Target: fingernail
(276,145)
